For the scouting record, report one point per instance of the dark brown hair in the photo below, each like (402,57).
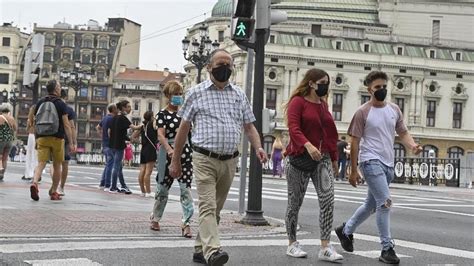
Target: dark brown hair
(374,75)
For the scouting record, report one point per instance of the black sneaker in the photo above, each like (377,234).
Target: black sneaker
(389,257)
(198,257)
(125,190)
(347,242)
(218,258)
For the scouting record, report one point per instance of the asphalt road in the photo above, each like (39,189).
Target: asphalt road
(429,227)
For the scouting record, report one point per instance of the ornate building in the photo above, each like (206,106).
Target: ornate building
(143,89)
(99,50)
(426,48)
(12,40)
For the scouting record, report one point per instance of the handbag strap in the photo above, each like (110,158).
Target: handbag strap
(146,135)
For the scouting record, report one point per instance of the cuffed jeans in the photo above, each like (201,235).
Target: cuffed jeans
(109,165)
(378,177)
(117,168)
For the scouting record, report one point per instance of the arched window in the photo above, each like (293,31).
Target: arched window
(4,60)
(268,143)
(455,152)
(49,39)
(68,40)
(427,149)
(399,150)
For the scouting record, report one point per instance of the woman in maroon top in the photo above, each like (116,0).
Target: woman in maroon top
(312,130)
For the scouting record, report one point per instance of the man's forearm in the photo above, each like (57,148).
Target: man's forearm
(354,154)
(253,136)
(407,140)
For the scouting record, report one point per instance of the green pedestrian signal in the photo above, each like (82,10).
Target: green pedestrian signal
(243,29)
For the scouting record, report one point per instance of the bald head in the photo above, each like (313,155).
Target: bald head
(218,54)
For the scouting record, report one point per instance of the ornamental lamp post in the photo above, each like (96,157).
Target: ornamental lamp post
(199,51)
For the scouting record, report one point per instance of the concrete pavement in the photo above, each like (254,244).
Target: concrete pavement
(92,212)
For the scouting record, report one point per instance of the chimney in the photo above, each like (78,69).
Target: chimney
(122,68)
(166,72)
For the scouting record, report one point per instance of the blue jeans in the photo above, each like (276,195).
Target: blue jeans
(342,164)
(109,164)
(378,176)
(117,169)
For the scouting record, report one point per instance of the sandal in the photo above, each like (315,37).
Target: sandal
(186,231)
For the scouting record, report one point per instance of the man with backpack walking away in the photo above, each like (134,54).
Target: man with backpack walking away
(52,126)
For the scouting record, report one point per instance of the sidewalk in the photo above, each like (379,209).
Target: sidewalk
(91,212)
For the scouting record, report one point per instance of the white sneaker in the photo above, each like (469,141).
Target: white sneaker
(150,195)
(294,250)
(329,254)
(61,191)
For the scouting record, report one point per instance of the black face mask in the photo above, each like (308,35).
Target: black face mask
(222,73)
(322,89)
(380,94)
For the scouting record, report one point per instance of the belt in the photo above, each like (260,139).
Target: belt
(217,156)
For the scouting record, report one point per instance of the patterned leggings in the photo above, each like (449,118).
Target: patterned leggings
(323,180)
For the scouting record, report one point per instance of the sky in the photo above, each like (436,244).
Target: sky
(155,16)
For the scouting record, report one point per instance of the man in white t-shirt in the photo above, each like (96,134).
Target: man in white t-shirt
(373,129)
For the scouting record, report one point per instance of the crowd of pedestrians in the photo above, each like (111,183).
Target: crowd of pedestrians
(196,137)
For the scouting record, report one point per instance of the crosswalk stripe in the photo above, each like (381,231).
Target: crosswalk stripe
(61,262)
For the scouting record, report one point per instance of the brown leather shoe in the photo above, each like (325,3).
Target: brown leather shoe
(155,226)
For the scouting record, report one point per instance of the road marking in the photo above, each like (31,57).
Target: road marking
(131,244)
(373,254)
(421,246)
(62,262)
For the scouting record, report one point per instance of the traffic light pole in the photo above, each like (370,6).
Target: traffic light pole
(254,213)
(35,87)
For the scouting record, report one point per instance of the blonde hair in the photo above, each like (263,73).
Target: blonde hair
(303,88)
(172,87)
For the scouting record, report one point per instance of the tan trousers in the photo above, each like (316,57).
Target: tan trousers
(213,180)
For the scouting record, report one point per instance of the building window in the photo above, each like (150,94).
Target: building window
(86,58)
(47,57)
(87,43)
(366,47)
(458,56)
(271,99)
(150,106)
(401,104)
(310,63)
(268,143)
(103,44)
(81,128)
(316,30)
(49,39)
(4,78)
(309,42)
(338,45)
(457,115)
(431,114)
(272,38)
(339,66)
(433,74)
(66,56)
(136,105)
(367,68)
(137,87)
(68,41)
(102,59)
(123,86)
(432,54)
(455,152)
(435,33)
(97,111)
(430,151)
(4,60)
(99,93)
(337,106)
(100,76)
(272,75)
(399,150)
(401,70)
(274,60)
(6,41)
(220,36)
(364,99)
(399,50)
(84,92)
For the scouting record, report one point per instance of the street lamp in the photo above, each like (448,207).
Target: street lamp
(199,51)
(75,79)
(14,98)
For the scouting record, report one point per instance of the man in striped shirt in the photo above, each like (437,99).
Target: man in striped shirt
(218,110)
